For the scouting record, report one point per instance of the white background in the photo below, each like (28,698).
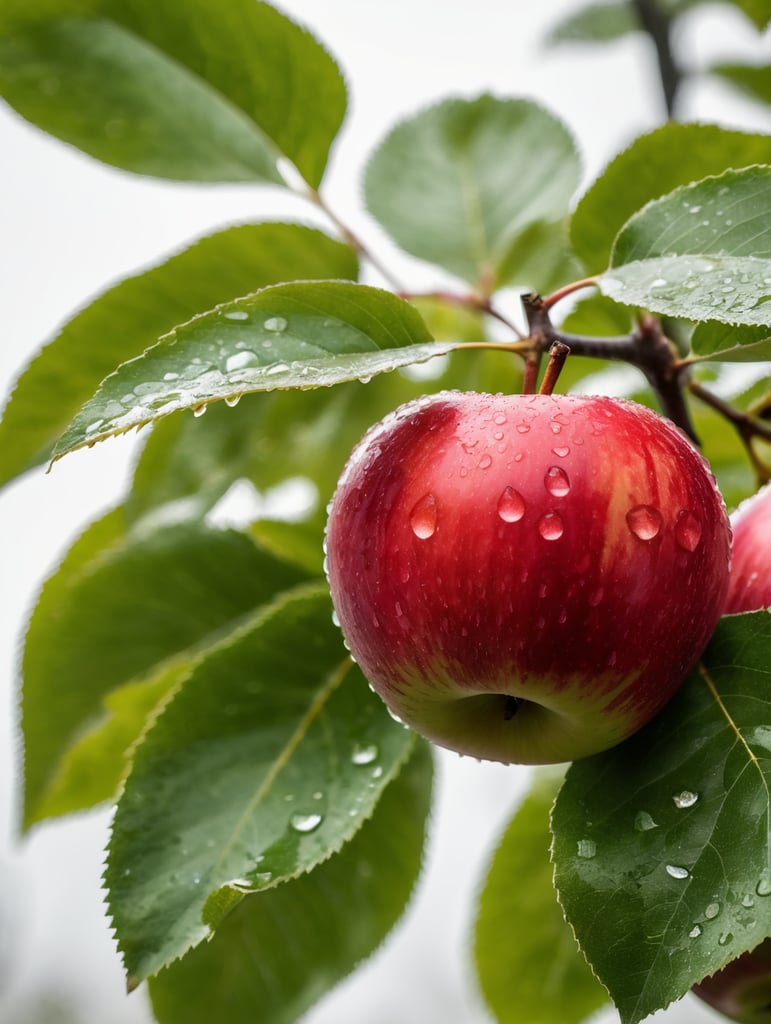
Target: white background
(68,228)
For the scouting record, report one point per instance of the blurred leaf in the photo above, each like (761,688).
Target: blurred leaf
(595,23)
(756,10)
(265,762)
(528,964)
(539,259)
(199,91)
(684,256)
(753,80)
(301,335)
(458,183)
(130,317)
(278,952)
(653,165)
(662,845)
(598,315)
(123,614)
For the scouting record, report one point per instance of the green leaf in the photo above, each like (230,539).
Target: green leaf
(662,845)
(265,763)
(122,613)
(92,769)
(130,317)
(702,252)
(336,916)
(199,91)
(300,335)
(528,964)
(713,340)
(653,165)
(595,23)
(753,80)
(459,183)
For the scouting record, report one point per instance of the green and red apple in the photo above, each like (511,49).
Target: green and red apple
(526,578)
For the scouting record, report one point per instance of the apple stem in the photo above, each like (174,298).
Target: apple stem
(558,353)
(647,348)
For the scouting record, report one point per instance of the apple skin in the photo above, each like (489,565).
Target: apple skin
(742,990)
(749,585)
(526,579)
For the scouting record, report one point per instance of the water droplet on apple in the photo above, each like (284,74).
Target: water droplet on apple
(499,419)
(685,799)
(596,596)
(364,753)
(277,324)
(523,428)
(511,506)
(644,521)
(695,932)
(423,517)
(675,871)
(555,428)
(485,462)
(305,822)
(562,451)
(587,848)
(643,822)
(712,911)
(551,526)
(687,530)
(557,482)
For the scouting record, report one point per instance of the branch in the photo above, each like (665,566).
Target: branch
(647,348)
(658,24)
(747,427)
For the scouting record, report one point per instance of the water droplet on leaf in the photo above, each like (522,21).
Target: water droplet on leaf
(276,324)
(364,753)
(305,822)
(643,822)
(685,799)
(586,848)
(675,871)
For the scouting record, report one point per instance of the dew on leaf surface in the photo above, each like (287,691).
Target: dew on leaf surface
(364,753)
(276,324)
(235,314)
(676,871)
(712,911)
(586,848)
(305,822)
(685,799)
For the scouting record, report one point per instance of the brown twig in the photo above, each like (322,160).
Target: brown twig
(558,353)
(747,427)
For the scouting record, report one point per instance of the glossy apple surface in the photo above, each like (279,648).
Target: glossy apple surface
(749,586)
(526,578)
(742,990)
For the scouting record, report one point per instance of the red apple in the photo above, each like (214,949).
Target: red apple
(749,586)
(526,578)
(742,990)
